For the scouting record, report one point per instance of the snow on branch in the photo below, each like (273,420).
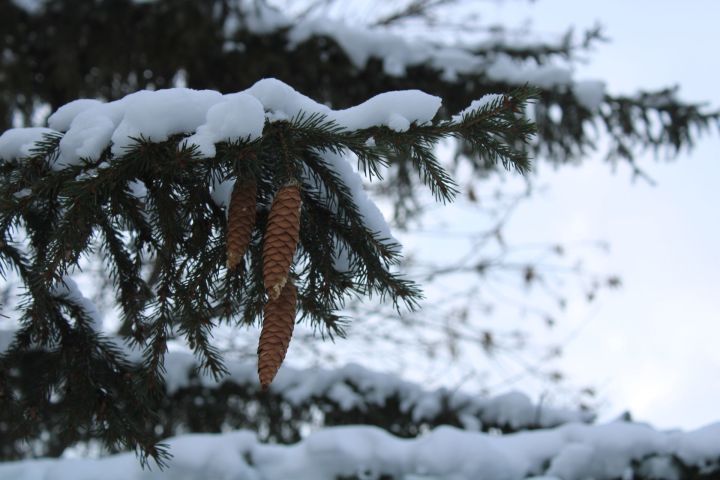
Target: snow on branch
(398,53)
(68,290)
(341,63)
(571,452)
(89,126)
(353,387)
(298,401)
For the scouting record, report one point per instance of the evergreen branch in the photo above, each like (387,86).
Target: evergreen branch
(12,259)
(133,291)
(195,310)
(60,210)
(315,131)
(172,218)
(97,375)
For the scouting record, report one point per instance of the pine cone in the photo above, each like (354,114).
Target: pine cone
(281,238)
(278,324)
(241,221)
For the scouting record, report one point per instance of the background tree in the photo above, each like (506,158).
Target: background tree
(314,56)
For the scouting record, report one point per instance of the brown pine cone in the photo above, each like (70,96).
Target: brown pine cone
(277,329)
(241,221)
(281,238)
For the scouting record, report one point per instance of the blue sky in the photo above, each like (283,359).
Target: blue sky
(652,347)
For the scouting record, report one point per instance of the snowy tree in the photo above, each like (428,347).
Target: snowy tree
(246,207)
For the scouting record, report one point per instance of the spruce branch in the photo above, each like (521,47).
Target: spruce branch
(152,204)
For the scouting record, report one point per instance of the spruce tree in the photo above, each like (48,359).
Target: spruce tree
(183,231)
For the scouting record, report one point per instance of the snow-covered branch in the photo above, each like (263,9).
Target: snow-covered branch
(571,452)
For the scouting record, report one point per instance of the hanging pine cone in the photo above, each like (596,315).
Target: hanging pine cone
(281,238)
(277,329)
(241,221)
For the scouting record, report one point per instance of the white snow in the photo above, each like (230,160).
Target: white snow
(477,105)
(155,115)
(30,6)
(88,135)
(138,189)
(257,17)
(396,110)
(699,444)
(341,164)
(342,262)
(372,216)
(505,69)
(562,449)
(398,53)
(63,117)
(220,193)
(23,193)
(67,288)
(589,93)
(209,117)
(6,339)
(513,409)
(361,43)
(91,126)
(569,452)
(238,116)
(16,143)
(355,387)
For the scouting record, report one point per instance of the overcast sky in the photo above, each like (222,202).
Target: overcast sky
(652,348)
